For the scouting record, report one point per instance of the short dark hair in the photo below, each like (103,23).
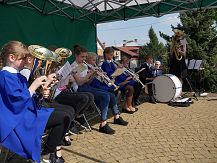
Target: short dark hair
(79,49)
(148,57)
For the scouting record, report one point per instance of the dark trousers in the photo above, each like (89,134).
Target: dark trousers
(137,91)
(80,101)
(138,88)
(58,122)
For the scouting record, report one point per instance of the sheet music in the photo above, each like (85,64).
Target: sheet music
(65,70)
(197,64)
(194,64)
(183,100)
(118,72)
(191,64)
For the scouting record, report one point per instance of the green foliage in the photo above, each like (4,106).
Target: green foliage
(200,27)
(157,49)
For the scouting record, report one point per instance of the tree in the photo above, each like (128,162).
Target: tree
(200,27)
(154,47)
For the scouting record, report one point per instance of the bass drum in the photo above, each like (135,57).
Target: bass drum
(166,88)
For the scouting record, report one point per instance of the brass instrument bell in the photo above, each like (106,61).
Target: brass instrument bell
(55,57)
(40,52)
(63,52)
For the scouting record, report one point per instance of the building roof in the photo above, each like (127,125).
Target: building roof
(128,51)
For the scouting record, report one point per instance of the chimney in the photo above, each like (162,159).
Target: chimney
(124,43)
(135,40)
(103,45)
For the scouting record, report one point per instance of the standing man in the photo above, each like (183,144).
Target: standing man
(178,66)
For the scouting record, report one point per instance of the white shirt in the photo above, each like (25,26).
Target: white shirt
(26,72)
(10,69)
(81,69)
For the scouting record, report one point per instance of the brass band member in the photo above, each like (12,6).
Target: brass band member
(22,122)
(91,59)
(83,77)
(33,61)
(108,66)
(178,66)
(146,77)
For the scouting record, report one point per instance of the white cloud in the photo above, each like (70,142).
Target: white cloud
(174,19)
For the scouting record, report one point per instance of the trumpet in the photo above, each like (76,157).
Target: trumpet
(134,75)
(101,76)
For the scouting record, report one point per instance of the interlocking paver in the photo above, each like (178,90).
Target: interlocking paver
(156,133)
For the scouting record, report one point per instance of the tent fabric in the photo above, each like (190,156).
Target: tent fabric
(68,22)
(32,27)
(98,11)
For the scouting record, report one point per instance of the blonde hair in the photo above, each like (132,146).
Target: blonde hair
(125,58)
(91,55)
(12,47)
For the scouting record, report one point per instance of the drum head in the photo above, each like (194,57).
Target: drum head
(166,87)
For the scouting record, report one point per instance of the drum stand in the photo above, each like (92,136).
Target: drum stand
(191,88)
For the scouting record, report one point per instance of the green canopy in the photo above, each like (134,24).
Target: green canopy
(68,22)
(98,11)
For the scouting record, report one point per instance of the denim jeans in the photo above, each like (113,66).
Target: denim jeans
(113,103)
(102,98)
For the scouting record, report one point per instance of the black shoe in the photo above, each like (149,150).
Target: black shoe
(120,121)
(152,100)
(106,129)
(60,160)
(55,159)
(66,142)
(127,111)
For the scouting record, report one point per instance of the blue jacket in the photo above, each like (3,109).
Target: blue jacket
(109,68)
(122,78)
(101,85)
(22,123)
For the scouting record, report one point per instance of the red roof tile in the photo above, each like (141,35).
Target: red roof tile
(128,50)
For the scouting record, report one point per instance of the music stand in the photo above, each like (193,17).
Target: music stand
(194,66)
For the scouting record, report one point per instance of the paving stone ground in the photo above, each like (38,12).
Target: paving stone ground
(156,133)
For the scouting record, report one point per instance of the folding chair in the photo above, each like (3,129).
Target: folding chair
(5,158)
(88,116)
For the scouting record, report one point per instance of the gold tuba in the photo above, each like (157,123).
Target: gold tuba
(176,44)
(42,54)
(63,53)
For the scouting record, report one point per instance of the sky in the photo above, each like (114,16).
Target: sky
(113,33)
